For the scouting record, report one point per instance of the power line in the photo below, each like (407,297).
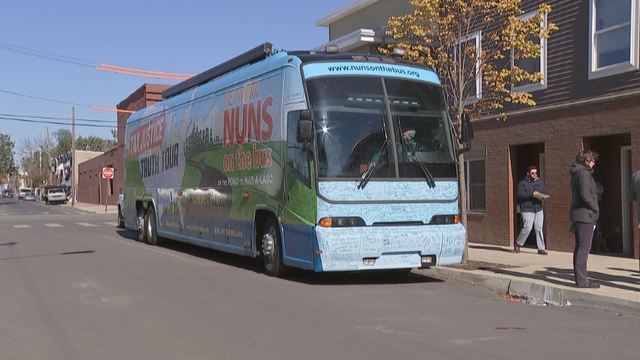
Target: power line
(115,71)
(48,53)
(56,123)
(56,118)
(43,56)
(45,99)
(69,103)
(147,71)
(94,64)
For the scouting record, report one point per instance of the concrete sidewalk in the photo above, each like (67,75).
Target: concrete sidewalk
(550,278)
(93,208)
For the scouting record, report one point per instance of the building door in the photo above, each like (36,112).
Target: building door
(627,210)
(544,211)
(526,155)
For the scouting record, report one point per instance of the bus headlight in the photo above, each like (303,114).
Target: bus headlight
(341,222)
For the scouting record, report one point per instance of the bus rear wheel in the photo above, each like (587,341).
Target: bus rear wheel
(272,255)
(151,227)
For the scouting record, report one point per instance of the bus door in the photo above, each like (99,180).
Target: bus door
(299,194)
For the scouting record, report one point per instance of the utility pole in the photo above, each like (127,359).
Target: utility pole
(40,167)
(73,156)
(22,161)
(48,158)
(16,178)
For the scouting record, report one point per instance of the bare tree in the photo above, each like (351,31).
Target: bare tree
(34,159)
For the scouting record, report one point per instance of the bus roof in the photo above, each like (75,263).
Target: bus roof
(259,60)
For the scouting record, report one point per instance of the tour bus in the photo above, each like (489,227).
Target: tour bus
(324,161)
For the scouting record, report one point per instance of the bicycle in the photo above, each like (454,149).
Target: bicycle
(603,238)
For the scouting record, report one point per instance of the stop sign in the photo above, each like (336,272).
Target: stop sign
(107,173)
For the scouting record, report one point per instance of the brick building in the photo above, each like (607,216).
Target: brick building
(589,98)
(92,188)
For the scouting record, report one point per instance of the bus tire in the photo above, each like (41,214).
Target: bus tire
(120,219)
(272,255)
(150,227)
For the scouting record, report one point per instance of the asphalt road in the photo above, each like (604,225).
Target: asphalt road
(76,287)
(13,206)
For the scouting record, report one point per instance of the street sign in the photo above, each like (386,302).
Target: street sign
(107,173)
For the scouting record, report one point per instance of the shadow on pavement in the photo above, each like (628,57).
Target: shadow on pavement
(33,256)
(369,277)
(301,276)
(492,248)
(8,244)
(565,277)
(633,272)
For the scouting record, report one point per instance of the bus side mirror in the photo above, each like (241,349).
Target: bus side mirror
(466,133)
(305,127)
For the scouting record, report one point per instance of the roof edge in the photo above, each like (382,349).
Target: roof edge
(344,11)
(129,99)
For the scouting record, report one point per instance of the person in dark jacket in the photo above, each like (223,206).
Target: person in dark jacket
(531,203)
(584,213)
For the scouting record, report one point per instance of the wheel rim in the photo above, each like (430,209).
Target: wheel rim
(150,228)
(269,247)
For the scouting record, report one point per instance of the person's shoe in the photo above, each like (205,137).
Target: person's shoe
(543,252)
(516,248)
(590,285)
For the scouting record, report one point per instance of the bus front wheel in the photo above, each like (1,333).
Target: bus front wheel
(272,255)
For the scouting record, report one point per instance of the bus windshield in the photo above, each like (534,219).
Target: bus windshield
(353,124)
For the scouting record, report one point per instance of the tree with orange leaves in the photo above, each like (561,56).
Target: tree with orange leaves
(493,39)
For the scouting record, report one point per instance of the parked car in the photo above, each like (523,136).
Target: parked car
(120,208)
(7,194)
(22,192)
(55,196)
(29,196)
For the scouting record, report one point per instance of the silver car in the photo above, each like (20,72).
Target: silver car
(28,196)
(56,196)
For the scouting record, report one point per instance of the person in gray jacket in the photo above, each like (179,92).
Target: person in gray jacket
(584,213)
(531,204)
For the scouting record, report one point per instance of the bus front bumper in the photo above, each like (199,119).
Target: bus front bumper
(379,248)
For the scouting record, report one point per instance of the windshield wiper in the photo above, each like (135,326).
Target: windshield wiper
(425,171)
(366,175)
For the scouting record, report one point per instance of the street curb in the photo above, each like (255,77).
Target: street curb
(551,294)
(101,212)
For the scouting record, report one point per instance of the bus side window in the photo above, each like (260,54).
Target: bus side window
(297,158)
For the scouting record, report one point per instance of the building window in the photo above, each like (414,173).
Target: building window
(531,65)
(474,177)
(614,37)
(473,66)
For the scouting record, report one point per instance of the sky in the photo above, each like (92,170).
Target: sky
(188,36)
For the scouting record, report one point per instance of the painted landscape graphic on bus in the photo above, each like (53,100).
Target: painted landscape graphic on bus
(196,152)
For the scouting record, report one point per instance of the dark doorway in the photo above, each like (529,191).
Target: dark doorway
(523,156)
(612,172)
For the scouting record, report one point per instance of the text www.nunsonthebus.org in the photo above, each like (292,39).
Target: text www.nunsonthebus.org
(380,68)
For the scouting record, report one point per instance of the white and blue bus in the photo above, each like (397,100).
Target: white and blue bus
(324,161)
